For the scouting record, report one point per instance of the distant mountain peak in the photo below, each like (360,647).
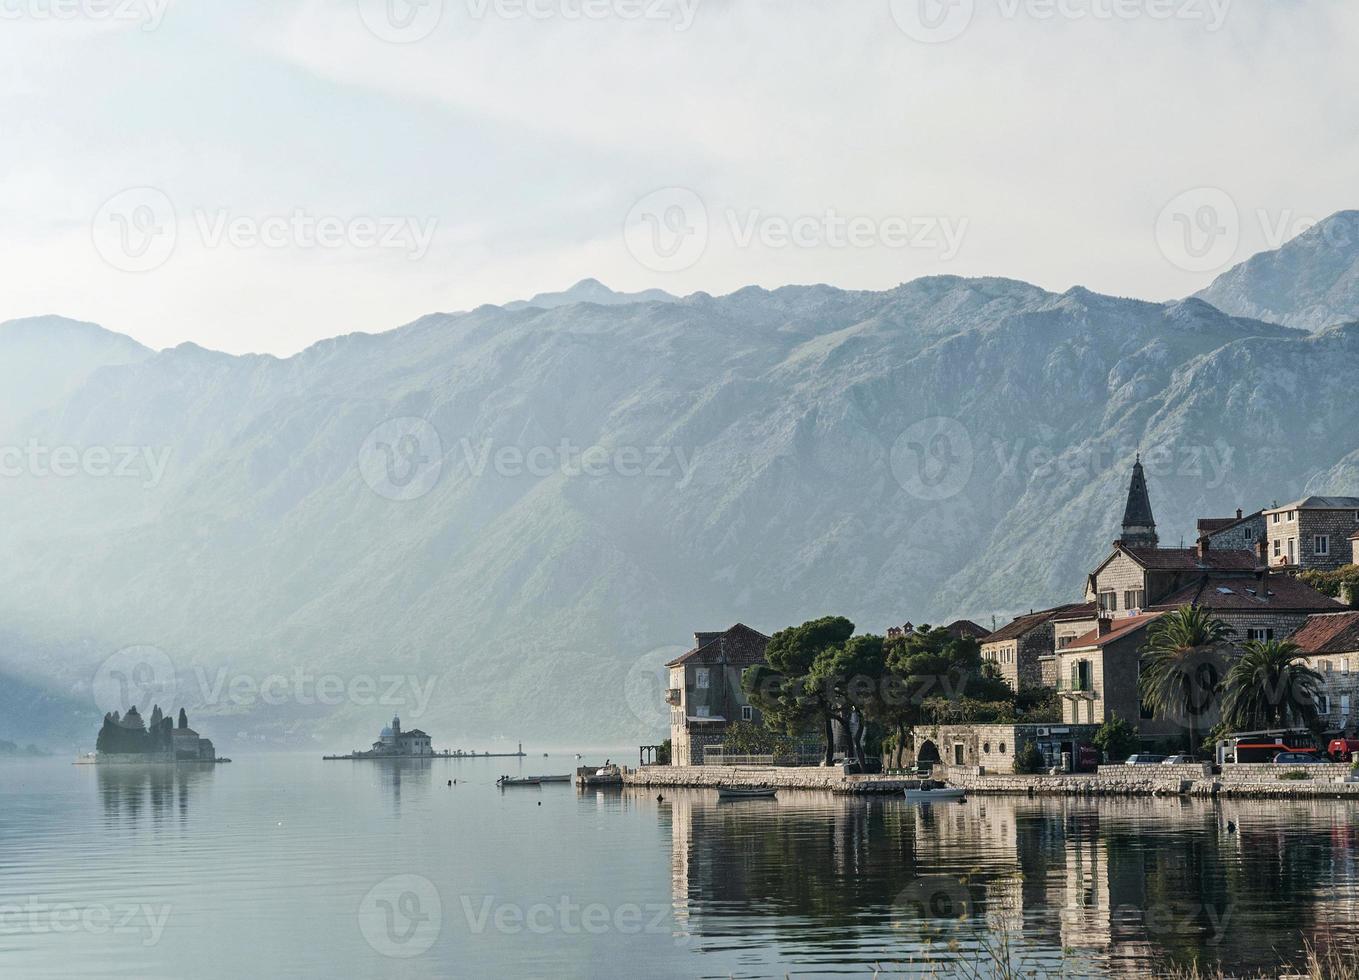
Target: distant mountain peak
(50,324)
(591,291)
(1311,282)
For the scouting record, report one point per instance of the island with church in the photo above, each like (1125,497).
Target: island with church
(127,738)
(395,743)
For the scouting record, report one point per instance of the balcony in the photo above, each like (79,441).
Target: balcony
(672,697)
(1076,687)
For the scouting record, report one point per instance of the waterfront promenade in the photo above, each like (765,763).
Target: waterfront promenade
(1262,780)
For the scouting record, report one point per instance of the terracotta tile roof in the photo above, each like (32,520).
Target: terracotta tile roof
(1188,559)
(1084,610)
(965,627)
(1283,593)
(1215,523)
(1022,624)
(1120,628)
(1329,633)
(740,646)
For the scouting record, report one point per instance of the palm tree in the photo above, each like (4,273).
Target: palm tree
(1271,685)
(1178,675)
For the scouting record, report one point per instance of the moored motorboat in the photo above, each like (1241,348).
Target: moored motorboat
(745,792)
(519,781)
(599,776)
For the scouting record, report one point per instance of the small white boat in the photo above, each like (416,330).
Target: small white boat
(935,794)
(746,792)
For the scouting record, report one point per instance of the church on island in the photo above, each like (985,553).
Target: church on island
(394,742)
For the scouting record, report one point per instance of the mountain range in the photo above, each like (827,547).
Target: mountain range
(507,519)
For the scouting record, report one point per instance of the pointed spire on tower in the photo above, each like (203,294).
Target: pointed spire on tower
(1139,527)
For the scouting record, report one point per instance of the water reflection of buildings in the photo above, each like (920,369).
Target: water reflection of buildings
(130,792)
(409,775)
(1120,886)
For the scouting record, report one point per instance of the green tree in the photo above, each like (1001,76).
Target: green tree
(849,678)
(783,688)
(1116,738)
(931,675)
(1270,686)
(1335,582)
(1179,674)
(1029,759)
(748,738)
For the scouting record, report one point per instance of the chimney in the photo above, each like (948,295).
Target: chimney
(1238,513)
(1203,547)
(1260,551)
(1104,625)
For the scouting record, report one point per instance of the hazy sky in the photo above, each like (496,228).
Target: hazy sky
(260,174)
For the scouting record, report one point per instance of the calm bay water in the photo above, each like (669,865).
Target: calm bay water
(285,866)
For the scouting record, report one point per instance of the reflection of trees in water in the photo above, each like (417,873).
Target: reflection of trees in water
(827,859)
(157,791)
(1128,881)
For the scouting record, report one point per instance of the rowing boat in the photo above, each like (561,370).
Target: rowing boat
(745,792)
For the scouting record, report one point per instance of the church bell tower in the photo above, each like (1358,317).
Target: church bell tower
(1139,527)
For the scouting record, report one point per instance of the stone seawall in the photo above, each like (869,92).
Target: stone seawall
(784,777)
(1196,780)
(1235,781)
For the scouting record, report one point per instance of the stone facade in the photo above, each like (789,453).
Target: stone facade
(1240,533)
(993,747)
(705,693)
(1312,533)
(1098,681)
(1019,650)
(1330,644)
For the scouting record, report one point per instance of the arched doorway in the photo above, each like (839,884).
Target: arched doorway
(927,752)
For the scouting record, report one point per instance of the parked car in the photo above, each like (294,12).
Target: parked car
(1343,749)
(1181,759)
(1296,758)
(1144,759)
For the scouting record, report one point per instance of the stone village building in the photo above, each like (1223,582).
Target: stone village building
(705,693)
(1330,642)
(995,747)
(1022,650)
(1091,651)
(1097,673)
(1311,533)
(1244,532)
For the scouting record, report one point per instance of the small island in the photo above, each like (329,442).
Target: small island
(129,739)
